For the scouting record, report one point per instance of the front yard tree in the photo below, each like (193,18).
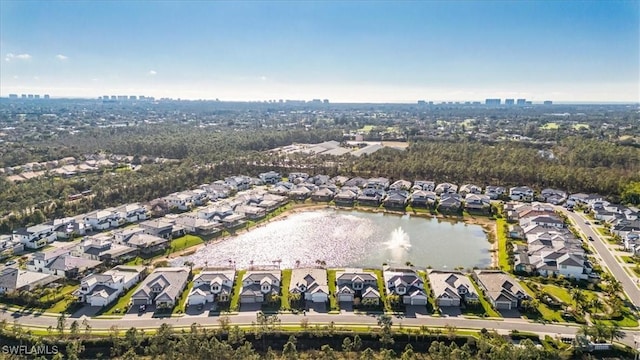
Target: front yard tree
(62,323)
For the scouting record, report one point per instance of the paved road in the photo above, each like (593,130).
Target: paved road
(503,326)
(599,244)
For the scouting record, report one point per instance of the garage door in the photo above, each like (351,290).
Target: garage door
(247,299)
(418,301)
(448,302)
(503,305)
(344,297)
(139,301)
(196,300)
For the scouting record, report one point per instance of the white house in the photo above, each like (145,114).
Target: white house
(35,237)
(212,286)
(452,288)
(100,220)
(407,285)
(131,212)
(521,193)
(258,285)
(102,289)
(162,287)
(311,283)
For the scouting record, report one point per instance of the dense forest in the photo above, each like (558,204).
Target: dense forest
(264,342)
(208,154)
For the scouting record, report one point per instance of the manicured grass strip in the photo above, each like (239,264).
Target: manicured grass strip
(286,280)
(546,312)
(184,242)
(61,293)
(331,279)
(503,256)
(237,289)
(381,290)
(488,309)
(427,288)
(180,308)
(122,304)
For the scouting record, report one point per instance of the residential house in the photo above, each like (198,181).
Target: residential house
(15,279)
(521,193)
(180,201)
(251,212)
(583,199)
(162,287)
(370,197)
(424,185)
(450,203)
(553,196)
(631,240)
(10,247)
(501,289)
(258,286)
(318,180)
(270,177)
(452,288)
(131,212)
(322,195)
(355,182)
(101,220)
(68,228)
(160,228)
(477,203)
(198,226)
(522,263)
(345,197)
(212,286)
(311,284)
(40,260)
(396,199)
(339,180)
(238,183)
(494,192)
(104,249)
(300,193)
(407,285)
(470,189)
(103,289)
(446,188)
(400,185)
(298,176)
(357,285)
(35,237)
(148,244)
(423,198)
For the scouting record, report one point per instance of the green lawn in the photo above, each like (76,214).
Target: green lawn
(602,231)
(383,293)
(559,293)
(286,280)
(184,242)
(628,320)
(503,256)
(331,279)
(427,289)
(120,306)
(630,259)
(237,289)
(60,293)
(135,261)
(181,307)
(488,309)
(545,311)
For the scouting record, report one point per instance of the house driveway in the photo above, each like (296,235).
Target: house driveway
(250,307)
(451,311)
(86,310)
(346,306)
(200,310)
(413,311)
(316,307)
(511,314)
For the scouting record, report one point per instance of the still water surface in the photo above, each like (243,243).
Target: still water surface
(351,238)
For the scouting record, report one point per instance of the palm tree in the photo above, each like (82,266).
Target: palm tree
(577,296)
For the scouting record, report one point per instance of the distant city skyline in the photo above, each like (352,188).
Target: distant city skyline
(564,51)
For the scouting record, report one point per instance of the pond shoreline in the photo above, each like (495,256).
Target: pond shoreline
(488,225)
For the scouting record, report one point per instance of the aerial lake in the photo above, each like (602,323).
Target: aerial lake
(351,238)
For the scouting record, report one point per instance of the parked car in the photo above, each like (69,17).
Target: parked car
(10,262)
(142,308)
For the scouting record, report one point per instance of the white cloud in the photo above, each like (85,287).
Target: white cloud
(152,73)
(11,56)
(61,57)
(263,78)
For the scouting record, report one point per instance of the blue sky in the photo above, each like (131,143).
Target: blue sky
(344,51)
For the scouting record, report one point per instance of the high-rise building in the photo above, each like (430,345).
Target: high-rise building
(13,96)
(30,96)
(36,96)
(521,101)
(509,101)
(46,96)
(492,102)
(548,102)
(132,97)
(23,96)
